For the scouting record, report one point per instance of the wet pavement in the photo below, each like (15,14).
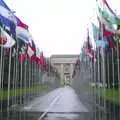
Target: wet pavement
(60,100)
(60,104)
(64,104)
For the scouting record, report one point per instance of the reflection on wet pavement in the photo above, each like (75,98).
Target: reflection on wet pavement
(63,104)
(60,104)
(59,100)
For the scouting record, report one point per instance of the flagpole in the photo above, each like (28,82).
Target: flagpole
(113,79)
(32,83)
(1,60)
(13,100)
(35,79)
(1,71)
(33,69)
(118,66)
(9,72)
(118,69)
(2,79)
(20,87)
(16,77)
(17,70)
(25,86)
(96,77)
(108,70)
(29,80)
(49,70)
(118,74)
(39,75)
(113,74)
(1,66)
(8,92)
(104,76)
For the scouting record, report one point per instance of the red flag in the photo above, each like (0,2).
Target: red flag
(90,53)
(22,57)
(111,44)
(41,59)
(106,32)
(21,24)
(3,40)
(22,54)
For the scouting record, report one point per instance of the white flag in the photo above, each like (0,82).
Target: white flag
(30,51)
(6,40)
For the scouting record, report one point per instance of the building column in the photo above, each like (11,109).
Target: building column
(62,74)
(71,70)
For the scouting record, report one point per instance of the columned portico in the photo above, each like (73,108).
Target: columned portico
(64,65)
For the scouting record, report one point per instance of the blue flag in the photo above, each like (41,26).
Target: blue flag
(7,18)
(102,43)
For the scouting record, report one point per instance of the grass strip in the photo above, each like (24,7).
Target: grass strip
(22,91)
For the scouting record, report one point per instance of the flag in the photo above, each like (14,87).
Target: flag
(23,34)
(22,54)
(41,58)
(22,57)
(21,24)
(30,51)
(88,43)
(106,13)
(111,43)
(3,38)
(2,3)
(117,17)
(6,40)
(42,61)
(32,44)
(107,5)
(100,40)
(96,32)
(107,17)
(7,18)
(104,30)
(109,26)
(90,53)
(103,43)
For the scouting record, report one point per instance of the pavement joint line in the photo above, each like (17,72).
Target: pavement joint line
(47,110)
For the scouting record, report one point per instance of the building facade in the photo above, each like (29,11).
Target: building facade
(64,65)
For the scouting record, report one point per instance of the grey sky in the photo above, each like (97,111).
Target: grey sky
(57,26)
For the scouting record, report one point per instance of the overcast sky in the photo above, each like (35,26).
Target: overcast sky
(57,26)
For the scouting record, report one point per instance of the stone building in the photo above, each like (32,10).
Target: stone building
(64,65)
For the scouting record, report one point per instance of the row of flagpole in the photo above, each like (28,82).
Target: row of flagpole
(20,77)
(22,67)
(105,61)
